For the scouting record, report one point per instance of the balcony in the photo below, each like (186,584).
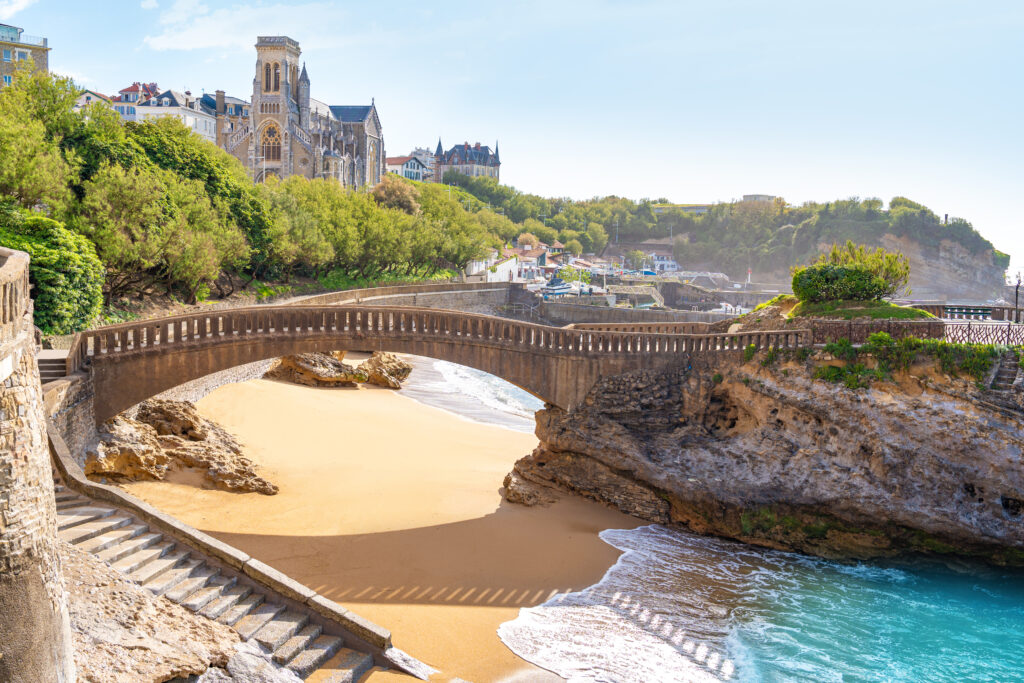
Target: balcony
(10,37)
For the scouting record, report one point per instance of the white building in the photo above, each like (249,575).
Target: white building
(662,263)
(181,106)
(408,167)
(428,160)
(494,268)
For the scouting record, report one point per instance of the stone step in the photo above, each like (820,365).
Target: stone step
(241,609)
(60,493)
(172,577)
(132,545)
(196,580)
(347,667)
(141,558)
(69,503)
(252,622)
(296,644)
(159,566)
(225,601)
(81,515)
(208,593)
(279,629)
(112,538)
(83,532)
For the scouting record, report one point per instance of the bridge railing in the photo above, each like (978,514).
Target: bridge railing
(406,323)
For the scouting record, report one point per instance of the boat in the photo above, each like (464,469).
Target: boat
(556,286)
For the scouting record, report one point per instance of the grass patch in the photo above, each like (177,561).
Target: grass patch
(776,301)
(848,310)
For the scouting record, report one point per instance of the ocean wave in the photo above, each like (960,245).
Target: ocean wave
(681,607)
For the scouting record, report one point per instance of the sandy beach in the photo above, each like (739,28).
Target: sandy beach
(393,509)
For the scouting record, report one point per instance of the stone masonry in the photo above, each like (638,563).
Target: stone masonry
(35,635)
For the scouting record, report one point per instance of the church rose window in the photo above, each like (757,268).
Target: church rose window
(272,144)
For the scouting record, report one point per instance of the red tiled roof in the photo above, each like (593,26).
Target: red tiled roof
(558,245)
(398,161)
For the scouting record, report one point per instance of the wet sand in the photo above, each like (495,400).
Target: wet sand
(393,509)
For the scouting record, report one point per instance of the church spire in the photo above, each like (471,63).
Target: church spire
(496,157)
(440,150)
(304,77)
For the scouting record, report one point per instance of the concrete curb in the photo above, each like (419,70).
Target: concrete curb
(270,579)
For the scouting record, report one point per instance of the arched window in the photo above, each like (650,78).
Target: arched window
(277,77)
(266,78)
(272,144)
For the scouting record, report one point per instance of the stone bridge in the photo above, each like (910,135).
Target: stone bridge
(135,361)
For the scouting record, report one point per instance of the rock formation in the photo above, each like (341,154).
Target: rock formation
(385,370)
(316,370)
(165,435)
(123,632)
(327,370)
(775,457)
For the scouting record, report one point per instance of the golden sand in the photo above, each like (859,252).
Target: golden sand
(393,509)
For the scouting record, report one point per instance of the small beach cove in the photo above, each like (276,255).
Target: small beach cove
(393,508)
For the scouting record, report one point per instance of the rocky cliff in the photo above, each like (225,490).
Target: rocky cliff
(775,457)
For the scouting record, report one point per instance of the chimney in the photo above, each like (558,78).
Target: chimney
(220,103)
(477,146)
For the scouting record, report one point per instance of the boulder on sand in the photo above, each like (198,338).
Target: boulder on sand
(385,370)
(315,370)
(165,434)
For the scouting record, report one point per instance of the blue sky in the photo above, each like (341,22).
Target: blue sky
(694,101)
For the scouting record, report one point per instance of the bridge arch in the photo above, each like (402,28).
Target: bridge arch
(132,362)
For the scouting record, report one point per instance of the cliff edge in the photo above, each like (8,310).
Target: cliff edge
(770,454)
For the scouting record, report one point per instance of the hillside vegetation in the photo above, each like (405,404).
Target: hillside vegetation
(167,212)
(732,236)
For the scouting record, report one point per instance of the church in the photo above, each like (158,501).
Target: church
(285,132)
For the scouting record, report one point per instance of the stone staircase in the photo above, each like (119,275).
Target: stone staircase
(52,364)
(291,634)
(1007,372)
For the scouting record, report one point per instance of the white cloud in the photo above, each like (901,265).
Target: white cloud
(191,25)
(149,4)
(8,8)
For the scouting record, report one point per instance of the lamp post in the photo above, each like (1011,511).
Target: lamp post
(1016,297)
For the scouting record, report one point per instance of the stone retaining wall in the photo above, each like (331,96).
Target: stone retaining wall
(566,313)
(35,631)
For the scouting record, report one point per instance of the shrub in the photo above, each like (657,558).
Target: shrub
(769,358)
(749,353)
(826,282)
(892,267)
(716,378)
(66,274)
(841,349)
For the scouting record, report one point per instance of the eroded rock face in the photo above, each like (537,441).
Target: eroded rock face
(774,457)
(169,434)
(316,370)
(122,632)
(385,370)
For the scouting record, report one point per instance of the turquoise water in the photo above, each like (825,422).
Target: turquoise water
(680,607)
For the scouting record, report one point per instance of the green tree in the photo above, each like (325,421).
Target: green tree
(892,267)
(395,193)
(574,247)
(634,259)
(528,240)
(66,274)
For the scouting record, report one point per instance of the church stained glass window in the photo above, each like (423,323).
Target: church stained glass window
(272,144)
(266,78)
(277,77)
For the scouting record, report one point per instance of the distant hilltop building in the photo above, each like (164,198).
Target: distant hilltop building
(88,97)
(475,160)
(17,47)
(285,132)
(759,198)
